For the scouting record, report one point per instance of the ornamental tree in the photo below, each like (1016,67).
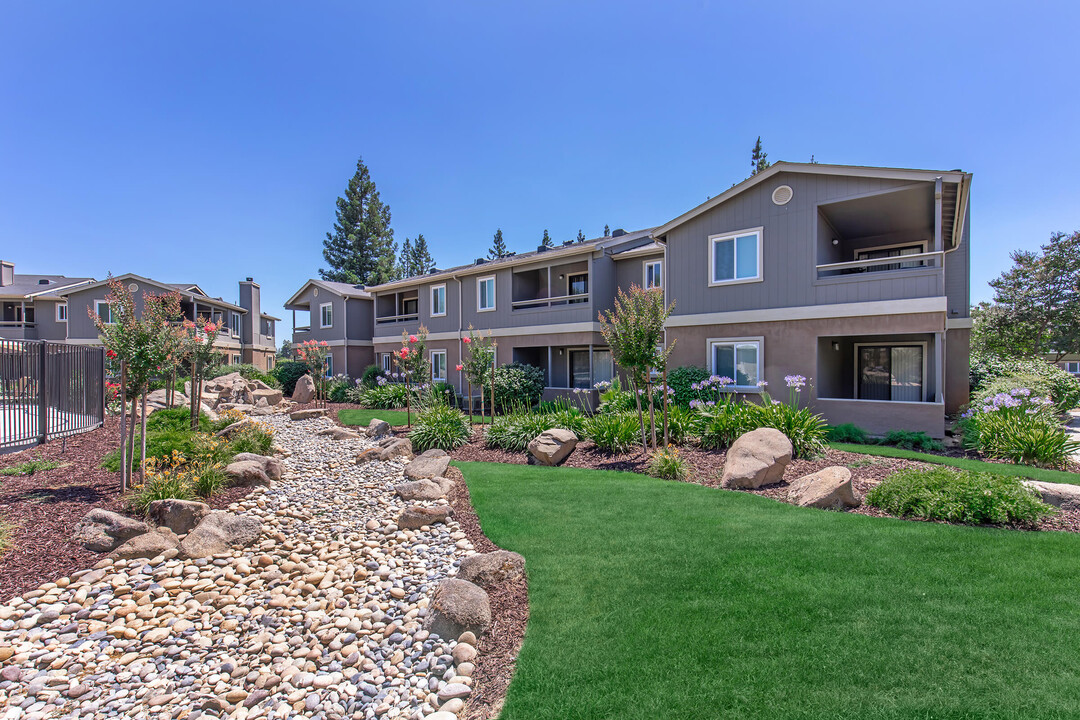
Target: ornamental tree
(313,353)
(200,354)
(477,364)
(411,361)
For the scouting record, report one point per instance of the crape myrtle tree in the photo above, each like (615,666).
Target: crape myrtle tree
(143,344)
(361,247)
(312,353)
(634,330)
(478,361)
(200,355)
(411,361)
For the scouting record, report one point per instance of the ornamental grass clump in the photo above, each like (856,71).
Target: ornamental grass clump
(384,396)
(667,464)
(440,426)
(613,433)
(959,496)
(517,429)
(253,437)
(1018,426)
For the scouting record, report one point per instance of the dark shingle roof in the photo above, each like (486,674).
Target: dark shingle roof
(27,285)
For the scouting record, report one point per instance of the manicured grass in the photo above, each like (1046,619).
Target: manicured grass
(658,599)
(1054,476)
(355,416)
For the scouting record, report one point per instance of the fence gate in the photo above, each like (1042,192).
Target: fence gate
(49,390)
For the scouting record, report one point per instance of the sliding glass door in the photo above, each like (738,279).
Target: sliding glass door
(891,372)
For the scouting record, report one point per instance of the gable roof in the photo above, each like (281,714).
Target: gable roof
(953,176)
(340,289)
(183,289)
(31,286)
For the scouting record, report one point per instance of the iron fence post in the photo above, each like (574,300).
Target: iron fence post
(43,406)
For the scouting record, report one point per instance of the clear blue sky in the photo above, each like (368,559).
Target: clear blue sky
(207,141)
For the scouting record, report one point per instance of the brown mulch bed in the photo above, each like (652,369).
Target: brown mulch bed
(498,648)
(42,509)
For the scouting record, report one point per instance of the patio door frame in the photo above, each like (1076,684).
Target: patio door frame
(887,344)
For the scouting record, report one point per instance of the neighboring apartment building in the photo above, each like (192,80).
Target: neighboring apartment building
(32,307)
(1070,362)
(339,314)
(541,308)
(855,277)
(248,334)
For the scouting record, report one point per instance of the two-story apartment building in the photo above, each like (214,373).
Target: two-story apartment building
(855,277)
(540,307)
(339,314)
(32,307)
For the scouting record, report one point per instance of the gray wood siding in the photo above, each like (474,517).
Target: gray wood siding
(789,252)
(46,326)
(958,273)
(632,271)
(337,331)
(361,319)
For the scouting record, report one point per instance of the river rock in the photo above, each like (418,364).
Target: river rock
(103,530)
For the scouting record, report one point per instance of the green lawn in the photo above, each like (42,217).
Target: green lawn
(354,416)
(654,599)
(1024,471)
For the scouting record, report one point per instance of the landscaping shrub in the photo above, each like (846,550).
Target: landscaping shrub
(383,397)
(371,375)
(848,433)
(444,393)
(253,437)
(614,433)
(440,426)
(991,374)
(514,430)
(614,398)
(246,370)
(666,463)
(805,429)
(681,424)
(167,485)
(338,388)
(287,372)
(680,380)
(518,384)
(910,440)
(958,496)
(720,425)
(1020,427)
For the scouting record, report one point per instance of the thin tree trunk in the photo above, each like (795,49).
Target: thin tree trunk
(666,441)
(408,402)
(123,429)
(493,390)
(640,415)
(131,435)
(191,399)
(470,405)
(142,455)
(652,409)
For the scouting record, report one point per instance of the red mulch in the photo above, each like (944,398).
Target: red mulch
(498,648)
(44,508)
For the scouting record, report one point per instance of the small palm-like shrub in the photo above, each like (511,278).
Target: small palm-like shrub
(910,440)
(440,426)
(666,463)
(958,496)
(805,429)
(614,433)
(848,433)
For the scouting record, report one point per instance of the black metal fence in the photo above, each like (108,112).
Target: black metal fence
(49,390)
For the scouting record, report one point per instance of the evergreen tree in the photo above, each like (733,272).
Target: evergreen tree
(407,269)
(758,159)
(361,248)
(607,231)
(498,247)
(421,259)
(580,236)
(546,241)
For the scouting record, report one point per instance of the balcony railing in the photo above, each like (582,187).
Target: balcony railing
(577,299)
(881,265)
(17,324)
(397,318)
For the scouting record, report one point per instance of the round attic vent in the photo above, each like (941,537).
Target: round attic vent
(133,287)
(315,292)
(782,195)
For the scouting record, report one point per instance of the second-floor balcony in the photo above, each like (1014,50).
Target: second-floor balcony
(551,287)
(398,307)
(883,264)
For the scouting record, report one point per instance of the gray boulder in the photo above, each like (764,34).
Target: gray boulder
(247,473)
(268,396)
(487,569)
(417,516)
(271,466)
(180,516)
(307,414)
(430,464)
(339,433)
(551,447)
(1066,497)
(387,449)
(457,607)
(424,489)
(219,531)
(378,428)
(304,392)
(103,530)
(828,489)
(756,458)
(147,545)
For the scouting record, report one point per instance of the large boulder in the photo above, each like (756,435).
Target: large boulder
(103,530)
(180,516)
(417,516)
(457,607)
(307,414)
(271,466)
(429,464)
(388,448)
(147,545)
(339,433)
(487,569)
(828,489)
(304,392)
(424,489)
(551,447)
(756,458)
(378,428)
(1066,497)
(157,398)
(247,473)
(269,396)
(219,531)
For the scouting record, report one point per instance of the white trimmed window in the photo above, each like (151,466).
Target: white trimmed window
(61,312)
(1072,367)
(438,300)
(103,311)
(438,366)
(329,366)
(485,294)
(269,362)
(387,363)
(235,317)
(739,360)
(735,257)
(326,315)
(235,359)
(653,274)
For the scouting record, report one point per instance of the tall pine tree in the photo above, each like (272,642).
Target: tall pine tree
(405,263)
(498,247)
(758,159)
(420,259)
(546,241)
(607,231)
(580,236)
(361,248)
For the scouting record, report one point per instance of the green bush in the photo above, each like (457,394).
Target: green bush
(666,463)
(287,372)
(681,424)
(681,378)
(1019,434)
(515,430)
(442,427)
(518,384)
(848,433)
(30,467)
(383,397)
(338,388)
(615,399)
(613,433)
(246,370)
(910,440)
(208,481)
(167,486)
(805,429)
(371,375)
(720,425)
(252,438)
(991,374)
(958,496)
